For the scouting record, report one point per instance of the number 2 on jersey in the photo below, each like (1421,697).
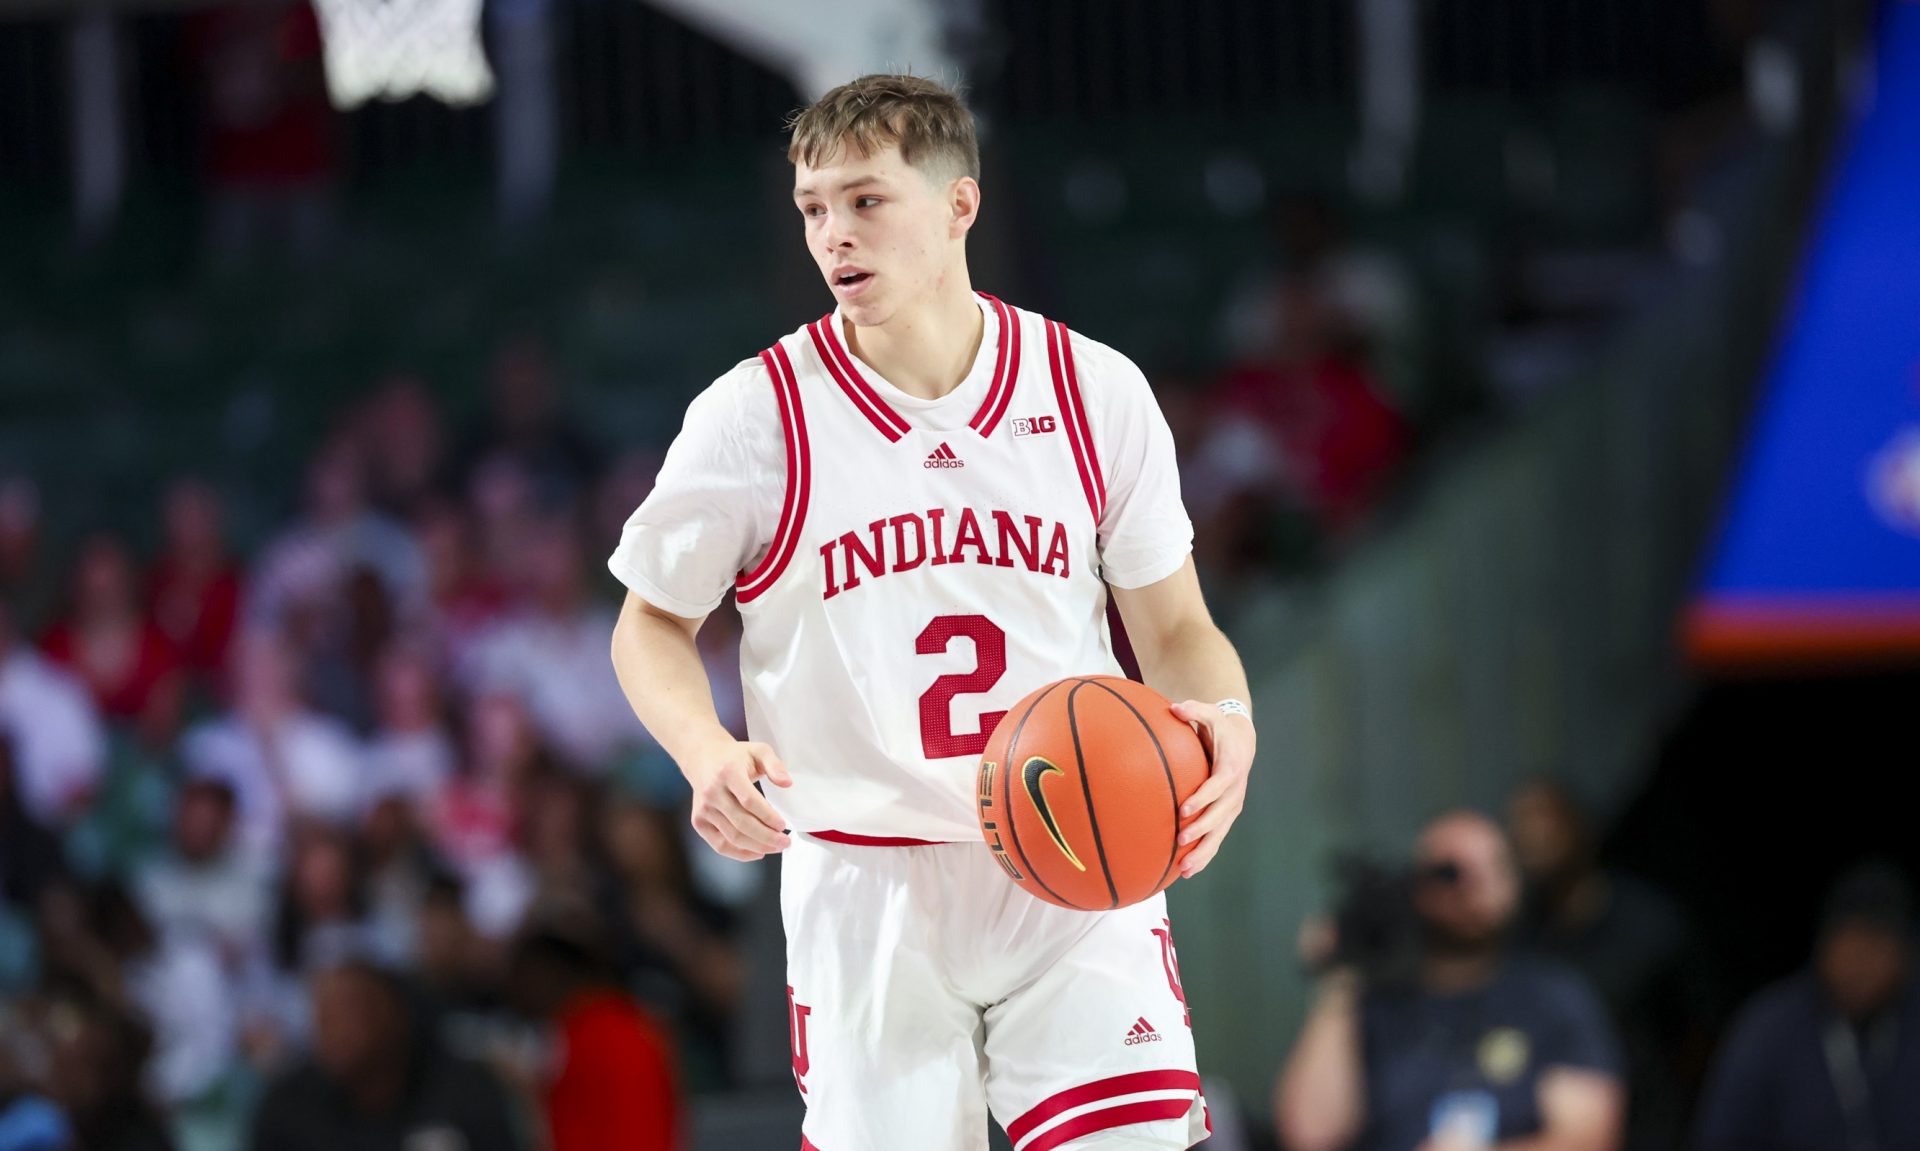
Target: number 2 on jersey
(937,737)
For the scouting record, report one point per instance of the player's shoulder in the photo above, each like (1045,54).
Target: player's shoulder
(739,406)
(740,382)
(1108,377)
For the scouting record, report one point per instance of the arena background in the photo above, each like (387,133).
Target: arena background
(1601,342)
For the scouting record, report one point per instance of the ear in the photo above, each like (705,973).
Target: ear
(963,202)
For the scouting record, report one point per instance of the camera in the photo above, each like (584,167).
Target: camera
(1376,929)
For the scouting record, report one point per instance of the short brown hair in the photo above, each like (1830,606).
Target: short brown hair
(928,121)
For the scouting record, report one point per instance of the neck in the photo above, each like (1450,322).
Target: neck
(1459,971)
(927,351)
(378,1089)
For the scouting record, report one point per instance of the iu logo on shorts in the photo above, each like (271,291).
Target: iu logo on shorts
(1172,962)
(797,1038)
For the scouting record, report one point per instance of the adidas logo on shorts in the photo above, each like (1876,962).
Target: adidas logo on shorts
(943,457)
(1142,1032)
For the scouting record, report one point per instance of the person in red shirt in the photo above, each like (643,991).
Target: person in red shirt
(268,126)
(1341,438)
(194,589)
(107,640)
(612,1084)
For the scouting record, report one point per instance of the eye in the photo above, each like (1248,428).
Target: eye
(866,201)
(813,210)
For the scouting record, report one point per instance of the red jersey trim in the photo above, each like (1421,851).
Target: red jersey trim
(1066,390)
(793,507)
(890,423)
(1099,1089)
(807,1144)
(1006,370)
(873,840)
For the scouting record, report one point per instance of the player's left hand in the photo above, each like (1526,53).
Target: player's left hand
(1207,816)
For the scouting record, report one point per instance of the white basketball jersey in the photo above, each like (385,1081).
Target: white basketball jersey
(929,563)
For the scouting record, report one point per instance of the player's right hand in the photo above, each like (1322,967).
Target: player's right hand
(728,811)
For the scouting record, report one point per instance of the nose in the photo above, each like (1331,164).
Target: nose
(837,234)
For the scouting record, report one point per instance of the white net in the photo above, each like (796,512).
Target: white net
(397,48)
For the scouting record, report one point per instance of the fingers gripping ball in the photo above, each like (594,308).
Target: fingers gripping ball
(1080,791)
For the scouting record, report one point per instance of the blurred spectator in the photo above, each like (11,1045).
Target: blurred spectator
(682,957)
(1369,290)
(107,640)
(561,850)
(466,593)
(338,655)
(1484,1049)
(410,755)
(98,1054)
(404,436)
(1830,1058)
(195,585)
(321,914)
(269,128)
(458,968)
(506,512)
(526,423)
(475,821)
(379,1079)
(30,855)
(308,569)
(27,581)
(101,946)
(176,983)
(400,867)
(29,1121)
(282,760)
(553,654)
(59,745)
(205,884)
(612,1084)
(1630,942)
(1336,437)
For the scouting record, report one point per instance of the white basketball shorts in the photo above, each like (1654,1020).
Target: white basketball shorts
(925,987)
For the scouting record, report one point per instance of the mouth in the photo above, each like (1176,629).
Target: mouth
(849,282)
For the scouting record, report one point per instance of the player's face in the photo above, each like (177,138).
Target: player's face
(884,234)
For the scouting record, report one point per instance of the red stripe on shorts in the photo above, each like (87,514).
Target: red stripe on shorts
(1103,1089)
(1108,1118)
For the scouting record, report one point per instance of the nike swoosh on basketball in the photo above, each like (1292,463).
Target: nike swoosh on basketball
(1037,768)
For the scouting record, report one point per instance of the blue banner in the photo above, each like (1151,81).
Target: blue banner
(1819,554)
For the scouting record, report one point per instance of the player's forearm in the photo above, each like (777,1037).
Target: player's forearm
(1194,660)
(1320,1099)
(665,682)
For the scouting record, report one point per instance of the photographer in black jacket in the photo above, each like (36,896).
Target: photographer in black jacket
(1460,1046)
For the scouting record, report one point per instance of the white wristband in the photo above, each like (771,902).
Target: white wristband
(1234,707)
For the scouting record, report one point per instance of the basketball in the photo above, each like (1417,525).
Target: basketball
(1080,791)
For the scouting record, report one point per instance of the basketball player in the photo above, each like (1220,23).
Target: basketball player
(921,502)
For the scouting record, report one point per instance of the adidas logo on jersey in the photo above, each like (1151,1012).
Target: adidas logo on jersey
(1142,1032)
(943,457)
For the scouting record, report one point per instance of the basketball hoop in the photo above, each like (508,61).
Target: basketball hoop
(397,48)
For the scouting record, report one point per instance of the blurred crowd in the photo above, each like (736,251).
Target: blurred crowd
(1290,445)
(1508,989)
(362,817)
